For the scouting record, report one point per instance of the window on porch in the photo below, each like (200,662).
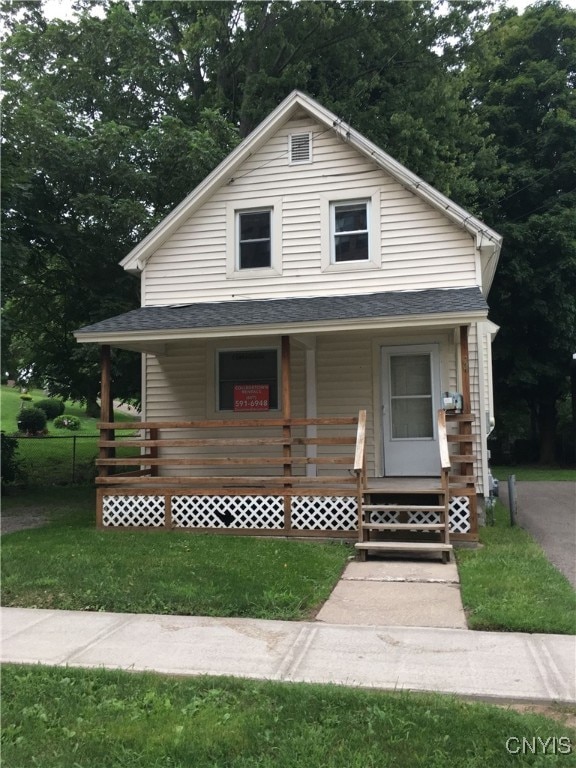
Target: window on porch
(245,367)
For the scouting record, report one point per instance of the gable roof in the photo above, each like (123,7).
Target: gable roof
(487,240)
(301,314)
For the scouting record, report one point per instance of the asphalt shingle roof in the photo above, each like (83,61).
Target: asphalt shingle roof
(219,314)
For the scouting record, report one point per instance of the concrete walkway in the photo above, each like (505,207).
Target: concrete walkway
(504,667)
(401,592)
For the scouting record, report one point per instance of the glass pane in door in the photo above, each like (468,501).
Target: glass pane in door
(411,397)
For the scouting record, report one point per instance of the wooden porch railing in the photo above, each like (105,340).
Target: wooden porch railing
(445,465)
(271,457)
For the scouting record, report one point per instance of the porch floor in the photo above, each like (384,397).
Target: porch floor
(403,485)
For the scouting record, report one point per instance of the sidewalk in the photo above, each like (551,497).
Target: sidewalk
(507,667)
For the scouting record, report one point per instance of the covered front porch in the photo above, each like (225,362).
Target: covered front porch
(279,476)
(315,447)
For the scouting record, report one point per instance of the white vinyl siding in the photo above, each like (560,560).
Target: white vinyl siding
(419,247)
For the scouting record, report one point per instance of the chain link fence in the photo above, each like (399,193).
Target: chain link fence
(57,460)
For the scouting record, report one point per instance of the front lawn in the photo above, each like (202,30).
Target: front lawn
(548,474)
(94,718)
(70,565)
(509,584)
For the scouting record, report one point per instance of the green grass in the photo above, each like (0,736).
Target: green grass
(510,585)
(60,718)
(549,474)
(57,458)
(507,585)
(11,405)
(70,565)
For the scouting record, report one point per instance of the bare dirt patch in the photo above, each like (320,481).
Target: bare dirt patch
(31,517)
(564,714)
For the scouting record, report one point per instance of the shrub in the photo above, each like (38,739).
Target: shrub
(31,421)
(52,408)
(9,448)
(26,398)
(67,422)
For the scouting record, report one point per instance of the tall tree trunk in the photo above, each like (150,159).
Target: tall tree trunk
(92,408)
(547,429)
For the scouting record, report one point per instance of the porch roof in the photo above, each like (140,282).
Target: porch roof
(290,315)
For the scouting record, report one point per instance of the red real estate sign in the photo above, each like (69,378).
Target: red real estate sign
(251,397)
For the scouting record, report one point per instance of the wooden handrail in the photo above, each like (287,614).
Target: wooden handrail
(443,441)
(247,461)
(360,454)
(229,423)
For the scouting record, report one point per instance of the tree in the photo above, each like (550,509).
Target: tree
(111,119)
(525,81)
(91,163)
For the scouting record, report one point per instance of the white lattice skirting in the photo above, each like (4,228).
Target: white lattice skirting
(133,510)
(459,516)
(228,512)
(309,513)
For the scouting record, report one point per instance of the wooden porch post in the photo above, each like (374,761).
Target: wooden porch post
(465,364)
(106,415)
(106,411)
(287,429)
(465,427)
(106,403)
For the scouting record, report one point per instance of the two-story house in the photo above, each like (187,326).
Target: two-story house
(308,278)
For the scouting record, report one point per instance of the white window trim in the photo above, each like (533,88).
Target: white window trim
(374,260)
(213,404)
(233,209)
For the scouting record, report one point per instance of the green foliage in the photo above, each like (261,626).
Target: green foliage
(51,407)
(31,421)
(118,718)
(109,121)
(9,465)
(71,423)
(26,398)
(49,460)
(524,89)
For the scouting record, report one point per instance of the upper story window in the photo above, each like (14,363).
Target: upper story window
(254,239)
(350,231)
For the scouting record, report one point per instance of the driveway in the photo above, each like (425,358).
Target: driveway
(548,512)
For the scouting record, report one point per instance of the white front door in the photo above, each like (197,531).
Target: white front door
(410,397)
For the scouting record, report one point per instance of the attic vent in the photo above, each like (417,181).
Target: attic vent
(301,148)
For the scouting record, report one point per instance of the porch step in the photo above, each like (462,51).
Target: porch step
(429,490)
(405,546)
(402,508)
(403,526)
